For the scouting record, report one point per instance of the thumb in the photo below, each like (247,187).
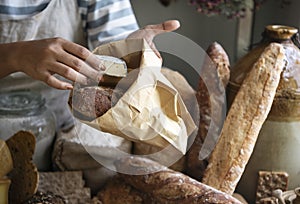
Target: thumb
(166,26)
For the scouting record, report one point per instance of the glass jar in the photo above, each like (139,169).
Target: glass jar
(278,144)
(26,110)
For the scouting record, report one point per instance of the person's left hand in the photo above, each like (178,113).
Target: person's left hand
(150,31)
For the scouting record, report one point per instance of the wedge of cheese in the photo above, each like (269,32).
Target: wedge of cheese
(114,66)
(5,159)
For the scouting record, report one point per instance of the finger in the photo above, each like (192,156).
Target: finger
(150,31)
(75,49)
(88,71)
(171,25)
(69,73)
(79,66)
(166,26)
(56,83)
(95,62)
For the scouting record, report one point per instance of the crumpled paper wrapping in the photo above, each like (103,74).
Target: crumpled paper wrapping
(151,111)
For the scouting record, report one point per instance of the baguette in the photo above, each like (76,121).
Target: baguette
(220,77)
(244,121)
(168,186)
(220,58)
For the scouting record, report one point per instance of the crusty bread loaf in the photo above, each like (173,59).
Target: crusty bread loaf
(244,121)
(218,78)
(91,102)
(220,58)
(116,191)
(168,186)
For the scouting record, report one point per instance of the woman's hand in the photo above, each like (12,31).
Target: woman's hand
(41,59)
(150,31)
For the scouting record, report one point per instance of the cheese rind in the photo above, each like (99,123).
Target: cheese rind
(114,66)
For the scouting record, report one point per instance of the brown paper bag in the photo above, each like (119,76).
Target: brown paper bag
(151,111)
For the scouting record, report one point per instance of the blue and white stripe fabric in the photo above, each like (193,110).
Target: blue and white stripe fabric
(21,9)
(102,20)
(108,20)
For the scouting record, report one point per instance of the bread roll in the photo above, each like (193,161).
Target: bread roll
(244,121)
(168,186)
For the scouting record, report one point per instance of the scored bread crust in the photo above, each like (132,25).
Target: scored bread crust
(166,186)
(218,56)
(244,121)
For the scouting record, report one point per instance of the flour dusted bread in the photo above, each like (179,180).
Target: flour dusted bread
(220,58)
(116,191)
(217,70)
(244,121)
(166,186)
(93,101)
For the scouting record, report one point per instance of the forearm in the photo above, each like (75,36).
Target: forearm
(8,58)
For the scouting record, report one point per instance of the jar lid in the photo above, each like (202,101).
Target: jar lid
(20,103)
(280,31)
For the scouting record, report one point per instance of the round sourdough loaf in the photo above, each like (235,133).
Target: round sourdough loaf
(91,102)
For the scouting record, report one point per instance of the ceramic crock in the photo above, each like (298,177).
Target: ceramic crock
(278,144)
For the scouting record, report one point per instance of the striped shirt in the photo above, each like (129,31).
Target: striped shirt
(103,20)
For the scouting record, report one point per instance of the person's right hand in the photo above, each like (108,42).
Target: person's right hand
(41,59)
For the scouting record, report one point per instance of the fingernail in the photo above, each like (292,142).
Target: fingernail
(69,87)
(102,67)
(100,78)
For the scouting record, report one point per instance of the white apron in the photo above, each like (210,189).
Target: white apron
(61,18)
